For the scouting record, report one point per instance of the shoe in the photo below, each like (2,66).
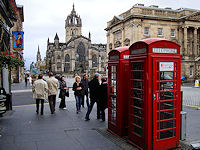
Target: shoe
(64,108)
(83,106)
(87,119)
(37,112)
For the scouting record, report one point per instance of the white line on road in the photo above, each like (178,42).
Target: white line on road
(21,91)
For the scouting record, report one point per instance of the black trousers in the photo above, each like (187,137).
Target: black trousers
(90,109)
(52,102)
(42,106)
(62,102)
(83,99)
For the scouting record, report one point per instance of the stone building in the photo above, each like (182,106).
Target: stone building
(17,72)
(40,64)
(181,26)
(77,54)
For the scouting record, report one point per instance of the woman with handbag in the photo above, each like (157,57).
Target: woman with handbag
(64,91)
(78,92)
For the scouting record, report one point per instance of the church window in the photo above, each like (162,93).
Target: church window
(102,61)
(94,60)
(172,32)
(81,52)
(67,63)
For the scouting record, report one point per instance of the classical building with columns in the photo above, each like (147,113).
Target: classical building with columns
(77,54)
(181,26)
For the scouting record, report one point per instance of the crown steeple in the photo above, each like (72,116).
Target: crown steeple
(73,25)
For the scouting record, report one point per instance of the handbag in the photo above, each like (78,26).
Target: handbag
(67,93)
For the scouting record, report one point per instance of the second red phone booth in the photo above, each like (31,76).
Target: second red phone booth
(118,77)
(154,110)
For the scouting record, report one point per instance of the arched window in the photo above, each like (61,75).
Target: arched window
(81,52)
(102,61)
(94,60)
(67,63)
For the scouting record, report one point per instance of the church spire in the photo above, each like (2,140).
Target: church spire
(38,54)
(73,7)
(56,37)
(89,35)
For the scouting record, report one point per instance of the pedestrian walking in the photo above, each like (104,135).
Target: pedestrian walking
(40,90)
(78,92)
(63,92)
(57,76)
(103,98)
(26,80)
(85,83)
(94,87)
(52,91)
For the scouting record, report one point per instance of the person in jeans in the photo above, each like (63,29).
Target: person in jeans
(78,92)
(40,90)
(94,87)
(52,91)
(63,88)
(85,82)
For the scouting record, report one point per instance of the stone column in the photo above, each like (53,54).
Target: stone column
(180,38)
(195,41)
(123,35)
(185,41)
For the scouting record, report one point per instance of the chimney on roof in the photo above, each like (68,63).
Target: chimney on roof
(168,8)
(139,4)
(154,6)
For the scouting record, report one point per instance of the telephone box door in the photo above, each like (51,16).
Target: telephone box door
(112,105)
(166,103)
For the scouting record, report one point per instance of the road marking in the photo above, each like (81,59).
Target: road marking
(197,107)
(21,91)
(44,104)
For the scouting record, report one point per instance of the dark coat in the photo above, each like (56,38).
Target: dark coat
(94,89)
(77,92)
(85,83)
(103,96)
(62,90)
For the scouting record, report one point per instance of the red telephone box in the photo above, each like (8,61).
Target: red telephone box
(155,105)
(118,80)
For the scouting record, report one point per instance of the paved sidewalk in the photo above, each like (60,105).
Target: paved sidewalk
(64,130)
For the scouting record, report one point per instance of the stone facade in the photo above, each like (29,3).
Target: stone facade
(77,54)
(181,26)
(17,72)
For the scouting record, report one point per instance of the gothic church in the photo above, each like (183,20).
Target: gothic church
(77,54)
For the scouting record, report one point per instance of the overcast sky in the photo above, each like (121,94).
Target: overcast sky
(45,18)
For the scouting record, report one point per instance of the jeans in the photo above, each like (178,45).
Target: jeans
(78,102)
(42,106)
(90,109)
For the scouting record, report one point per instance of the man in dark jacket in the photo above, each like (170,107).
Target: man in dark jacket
(94,95)
(85,83)
(103,98)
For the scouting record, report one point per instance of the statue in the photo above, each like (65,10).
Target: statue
(33,69)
